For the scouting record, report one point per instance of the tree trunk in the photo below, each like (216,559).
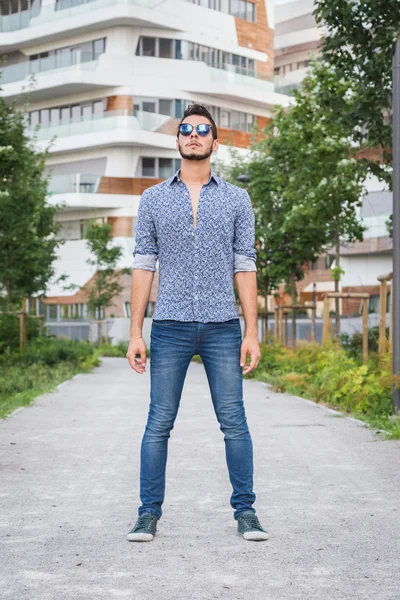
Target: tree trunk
(337,300)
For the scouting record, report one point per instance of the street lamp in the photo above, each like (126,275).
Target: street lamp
(396,223)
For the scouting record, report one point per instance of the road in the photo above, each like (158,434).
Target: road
(327,491)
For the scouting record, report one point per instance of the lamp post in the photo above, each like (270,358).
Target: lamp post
(396,223)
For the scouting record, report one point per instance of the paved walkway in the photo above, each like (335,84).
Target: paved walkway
(328,491)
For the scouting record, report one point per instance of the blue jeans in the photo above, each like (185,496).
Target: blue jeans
(172,346)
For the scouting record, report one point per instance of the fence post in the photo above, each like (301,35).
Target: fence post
(281,324)
(285,329)
(22,325)
(382,317)
(391,320)
(365,329)
(276,325)
(327,323)
(313,328)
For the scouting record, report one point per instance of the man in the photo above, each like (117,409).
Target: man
(201,229)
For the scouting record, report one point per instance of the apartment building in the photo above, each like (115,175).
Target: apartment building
(108,81)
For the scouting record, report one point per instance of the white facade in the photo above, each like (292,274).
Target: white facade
(107,81)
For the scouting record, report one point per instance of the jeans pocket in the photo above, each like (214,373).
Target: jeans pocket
(231,323)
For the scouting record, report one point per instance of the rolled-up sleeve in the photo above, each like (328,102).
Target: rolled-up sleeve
(145,253)
(244,251)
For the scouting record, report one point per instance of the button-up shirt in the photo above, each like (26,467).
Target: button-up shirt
(196,264)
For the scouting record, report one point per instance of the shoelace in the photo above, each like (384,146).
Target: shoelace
(144,521)
(252,522)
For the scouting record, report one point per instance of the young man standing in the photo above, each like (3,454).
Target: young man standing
(201,228)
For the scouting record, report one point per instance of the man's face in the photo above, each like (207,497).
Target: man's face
(195,146)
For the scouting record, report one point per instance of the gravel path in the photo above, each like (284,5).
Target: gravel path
(327,490)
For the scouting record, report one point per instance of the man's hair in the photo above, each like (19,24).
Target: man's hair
(199,109)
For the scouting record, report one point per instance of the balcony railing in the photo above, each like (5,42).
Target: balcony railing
(232,74)
(141,121)
(54,62)
(64,8)
(73,184)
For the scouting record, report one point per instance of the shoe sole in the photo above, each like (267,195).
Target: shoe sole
(139,537)
(255,536)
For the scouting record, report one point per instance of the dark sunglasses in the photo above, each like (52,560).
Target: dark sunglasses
(202,129)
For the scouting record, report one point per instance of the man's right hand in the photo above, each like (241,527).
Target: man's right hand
(137,346)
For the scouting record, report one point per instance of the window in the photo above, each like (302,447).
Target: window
(165,50)
(34,118)
(148,167)
(52,312)
(149,107)
(149,46)
(127,307)
(165,167)
(166,107)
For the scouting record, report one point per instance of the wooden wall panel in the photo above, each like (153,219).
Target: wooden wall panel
(126,185)
(258,36)
(121,226)
(120,103)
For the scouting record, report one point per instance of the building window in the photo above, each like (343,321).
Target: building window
(148,167)
(65,57)
(164,48)
(46,117)
(165,167)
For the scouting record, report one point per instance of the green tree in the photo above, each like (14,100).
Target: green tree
(359,45)
(28,227)
(305,186)
(106,285)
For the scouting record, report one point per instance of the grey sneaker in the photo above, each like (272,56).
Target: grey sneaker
(144,529)
(250,528)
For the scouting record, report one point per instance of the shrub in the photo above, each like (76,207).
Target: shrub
(9,331)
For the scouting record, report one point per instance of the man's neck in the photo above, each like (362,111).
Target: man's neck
(195,173)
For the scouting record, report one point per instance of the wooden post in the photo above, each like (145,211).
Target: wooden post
(276,325)
(391,320)
(327,323)
(106,332)
(365,329)
(100,333)
(313,327)
(90,332)
(382,317)
(281,324)
(22,325)
(285,329)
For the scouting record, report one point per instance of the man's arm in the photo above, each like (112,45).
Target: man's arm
(245,274)
(144,266)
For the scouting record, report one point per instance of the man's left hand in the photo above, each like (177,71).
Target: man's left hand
(249,346)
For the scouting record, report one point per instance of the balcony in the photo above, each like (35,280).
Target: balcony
(55,62)
(66,8)
(142,121)
(80,192)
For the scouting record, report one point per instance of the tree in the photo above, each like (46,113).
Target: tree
(359,45)
(106,285)
(28,227)
(305,185)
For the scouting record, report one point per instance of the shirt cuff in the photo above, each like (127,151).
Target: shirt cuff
(145,261)
(241,262)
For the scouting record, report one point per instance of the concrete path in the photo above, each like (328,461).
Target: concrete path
(328,492)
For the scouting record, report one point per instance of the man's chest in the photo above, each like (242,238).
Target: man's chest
(182,215)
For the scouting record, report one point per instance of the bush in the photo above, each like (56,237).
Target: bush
(9,331)
(353,343)
(331,375)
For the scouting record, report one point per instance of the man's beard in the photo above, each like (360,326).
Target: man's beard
(206,154)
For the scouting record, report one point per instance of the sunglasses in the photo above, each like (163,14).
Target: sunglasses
(202,129)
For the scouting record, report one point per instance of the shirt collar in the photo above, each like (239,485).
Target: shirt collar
(213,176)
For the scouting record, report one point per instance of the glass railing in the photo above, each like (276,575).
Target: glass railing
(65,8)
(141,120)
(18,20)
(20,71)
(73,184)
(231,74)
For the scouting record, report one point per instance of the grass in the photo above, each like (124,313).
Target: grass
(45,364)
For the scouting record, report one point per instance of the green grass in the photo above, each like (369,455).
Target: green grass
(45,364)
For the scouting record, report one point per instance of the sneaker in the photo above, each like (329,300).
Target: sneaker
(144,529)
(250,528)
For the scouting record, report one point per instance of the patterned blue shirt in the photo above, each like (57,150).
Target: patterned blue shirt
(196,264)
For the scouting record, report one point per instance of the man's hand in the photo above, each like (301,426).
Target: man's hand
(137,346)
(249,346)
